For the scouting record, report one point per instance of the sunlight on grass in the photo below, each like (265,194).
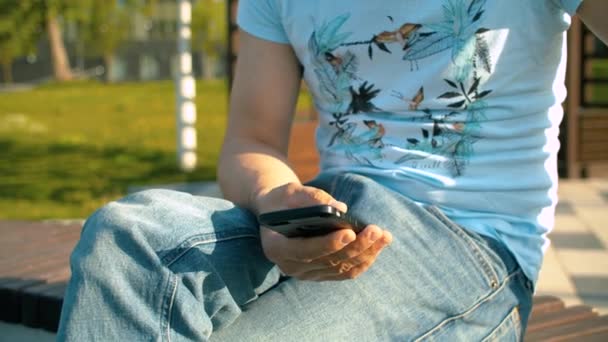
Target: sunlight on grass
(65,149)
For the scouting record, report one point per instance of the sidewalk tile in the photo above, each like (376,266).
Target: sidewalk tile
(600,184)
(592,291)
(553,280)
(576,240)
(596,219)
(580,192)
(584,262)
(569,224)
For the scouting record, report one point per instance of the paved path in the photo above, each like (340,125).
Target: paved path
(576,264)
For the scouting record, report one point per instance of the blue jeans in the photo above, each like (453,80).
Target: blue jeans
(167,266)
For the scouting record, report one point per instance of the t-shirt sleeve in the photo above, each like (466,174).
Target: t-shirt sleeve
(570,6)
(262,18)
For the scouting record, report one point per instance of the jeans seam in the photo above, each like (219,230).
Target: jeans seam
(167,313)
(512,316)
(488,271)
(186,246)
(474,307)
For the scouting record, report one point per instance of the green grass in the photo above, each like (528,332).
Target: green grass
(66,149)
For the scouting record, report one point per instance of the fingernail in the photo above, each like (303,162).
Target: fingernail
(347,239)
(339,205)
(373,236)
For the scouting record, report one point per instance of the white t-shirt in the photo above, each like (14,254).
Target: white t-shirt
(455,103)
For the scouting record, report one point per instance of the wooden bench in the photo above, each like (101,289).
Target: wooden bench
(586,122)
(34,272)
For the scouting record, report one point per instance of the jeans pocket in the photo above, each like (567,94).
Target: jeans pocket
(508,330)
(488,260)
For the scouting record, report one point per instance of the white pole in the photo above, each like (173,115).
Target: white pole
(186,91)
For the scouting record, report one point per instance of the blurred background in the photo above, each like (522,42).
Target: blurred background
(87,100)
(90,110)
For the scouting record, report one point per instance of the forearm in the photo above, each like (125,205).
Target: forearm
(248,168)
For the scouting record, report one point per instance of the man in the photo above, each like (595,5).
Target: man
(460,191)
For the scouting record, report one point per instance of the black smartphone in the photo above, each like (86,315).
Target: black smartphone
(309,221)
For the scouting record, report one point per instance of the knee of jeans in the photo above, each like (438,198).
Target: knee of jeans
(113,232)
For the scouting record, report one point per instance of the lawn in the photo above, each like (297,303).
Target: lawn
(67,149)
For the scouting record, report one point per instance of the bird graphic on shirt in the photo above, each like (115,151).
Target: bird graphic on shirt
(375,134)
(398,36)
(415,102)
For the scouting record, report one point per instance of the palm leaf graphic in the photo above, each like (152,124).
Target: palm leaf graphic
(428,46)
(482,50)
(327,37)
(476,8)
(350,64)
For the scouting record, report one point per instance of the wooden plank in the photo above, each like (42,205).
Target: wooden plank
(33,267)
(577,330)
(594,134)
(593,158)
(234,42)
(33,314)
(587,113)
(232,12)
(596,156)
(61,246)
(560,317)
(601,336)
(12,294)
(50,303)
(10,302)
(598,169)
(233,8)
(573,101)
(594,123)
(586,125)
(543,304)
(594,147)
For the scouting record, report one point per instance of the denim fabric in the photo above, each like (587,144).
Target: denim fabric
(167,266)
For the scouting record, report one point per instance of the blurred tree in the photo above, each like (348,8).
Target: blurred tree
(209,32)
(106,27)
(108,24)
(20,29)
(69,10)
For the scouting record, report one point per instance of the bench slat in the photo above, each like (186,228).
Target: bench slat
(543,304)
(557,318)
(570,331)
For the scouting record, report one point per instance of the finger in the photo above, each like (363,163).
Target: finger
(365,240)
(307,196)
(329,266)
(350,269)
(344,272)
(296,269)
(310,248)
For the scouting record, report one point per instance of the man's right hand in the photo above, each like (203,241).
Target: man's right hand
(336,256)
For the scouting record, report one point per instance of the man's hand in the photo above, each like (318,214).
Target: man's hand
(337,256)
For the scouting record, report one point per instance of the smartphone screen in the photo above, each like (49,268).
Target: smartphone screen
(309,221)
